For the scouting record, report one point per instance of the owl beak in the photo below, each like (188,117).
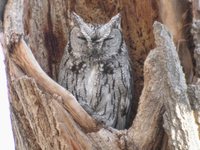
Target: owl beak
(90,46)
(94,49)
(95,53)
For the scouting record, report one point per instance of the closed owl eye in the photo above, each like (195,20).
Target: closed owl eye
(82,38)
(108,38)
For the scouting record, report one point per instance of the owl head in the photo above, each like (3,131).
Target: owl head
(95,40)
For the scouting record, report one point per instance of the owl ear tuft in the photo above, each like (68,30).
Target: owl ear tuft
(116,21)
(77,20)
(85,28)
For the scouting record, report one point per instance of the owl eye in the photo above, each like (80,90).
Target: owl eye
(109,38)
(82,38)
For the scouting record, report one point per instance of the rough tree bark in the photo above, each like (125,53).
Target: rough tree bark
(46,116)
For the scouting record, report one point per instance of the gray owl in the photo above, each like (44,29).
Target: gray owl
(96,69)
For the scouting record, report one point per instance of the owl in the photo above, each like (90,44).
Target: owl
(95,68)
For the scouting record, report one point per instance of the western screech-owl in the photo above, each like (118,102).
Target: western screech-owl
(95,68)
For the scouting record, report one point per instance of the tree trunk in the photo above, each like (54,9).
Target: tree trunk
(44,115)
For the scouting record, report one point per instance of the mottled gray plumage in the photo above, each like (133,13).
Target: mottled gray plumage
(95,68)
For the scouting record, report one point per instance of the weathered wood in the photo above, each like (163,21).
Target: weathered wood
(52,126)
(179,122)
(164,89)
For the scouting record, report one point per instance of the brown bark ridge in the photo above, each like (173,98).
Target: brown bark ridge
(46,116)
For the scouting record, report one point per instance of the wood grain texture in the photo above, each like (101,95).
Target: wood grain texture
(48,119)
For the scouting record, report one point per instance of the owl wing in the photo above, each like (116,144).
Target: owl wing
(125,91)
